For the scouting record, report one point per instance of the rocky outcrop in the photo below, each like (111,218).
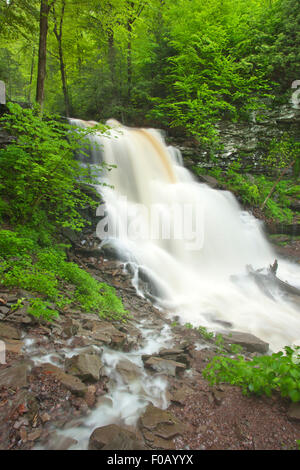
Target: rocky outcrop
(247,141)
(249,342)
(14,376)
(294,412)
(72,383)
(159,428)
(128,371)
(114,437)
(9,331)
(87,367)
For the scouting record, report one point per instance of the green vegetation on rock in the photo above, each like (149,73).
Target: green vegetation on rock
(41,195)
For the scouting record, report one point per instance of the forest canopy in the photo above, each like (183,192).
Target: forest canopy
(168,62)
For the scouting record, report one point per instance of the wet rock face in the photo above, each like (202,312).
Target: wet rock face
(114,437)
(159,427)
(294,412)
(73,384)
(128,371)
(104,332)
(249,342)
(165,366)
(8,331)
(248,141)
(87,367)
(14,376)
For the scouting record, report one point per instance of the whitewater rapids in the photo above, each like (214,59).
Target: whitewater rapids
(193,242)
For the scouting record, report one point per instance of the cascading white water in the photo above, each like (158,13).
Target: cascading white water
(194,242)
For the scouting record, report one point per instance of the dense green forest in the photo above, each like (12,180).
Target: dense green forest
(191,68)
(173,63)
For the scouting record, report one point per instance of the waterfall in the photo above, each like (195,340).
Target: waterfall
(192,243)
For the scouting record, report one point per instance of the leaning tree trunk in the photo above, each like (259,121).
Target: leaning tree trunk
(40,89)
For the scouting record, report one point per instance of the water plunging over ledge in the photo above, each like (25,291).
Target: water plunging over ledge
(193,242)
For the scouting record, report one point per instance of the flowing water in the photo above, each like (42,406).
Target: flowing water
(126,399)
(192,243)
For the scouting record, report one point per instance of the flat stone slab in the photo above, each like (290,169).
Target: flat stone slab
(13,346)
(294,412)
(14,376)
(71,382)
(250,342)
(159,427)
(128,370)
(180,395)
(105,332)
(9,331)
(113,437)
(165,366)
(85,366)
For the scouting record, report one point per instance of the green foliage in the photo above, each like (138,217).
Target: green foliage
(261,375)
(282,153)
(204,333)
(45,271)
(186,64)
(252,190)
(38,173)
(40,309)
(201,330)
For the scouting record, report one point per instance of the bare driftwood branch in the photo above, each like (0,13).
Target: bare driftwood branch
(261,278)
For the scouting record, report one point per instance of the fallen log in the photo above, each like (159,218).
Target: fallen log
(271,276)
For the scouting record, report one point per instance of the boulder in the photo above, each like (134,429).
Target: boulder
(159,427)
(13,346)
(72,383)
(177,355)
(8,331)
(70,328)
(85,366)
(105,332)
(165,366)
(209,180)
(128,370)
(21,316)
(14,376)
(180,394)
(113,437)
(4,310)
(249,342)
(294,412)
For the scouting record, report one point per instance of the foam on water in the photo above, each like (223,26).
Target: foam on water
(197,282)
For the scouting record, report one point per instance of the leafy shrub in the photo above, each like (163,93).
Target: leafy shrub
(262,375)
(40,309)
(38,172)
(253,191)
(45,271)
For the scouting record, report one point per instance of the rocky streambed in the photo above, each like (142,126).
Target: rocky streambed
(83,382)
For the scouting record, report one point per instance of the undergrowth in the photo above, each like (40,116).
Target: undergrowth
(262,375)
(46,272)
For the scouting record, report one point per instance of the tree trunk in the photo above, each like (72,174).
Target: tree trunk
(31,75)
(58,35)
(40,89)
(129,58)
(111,54)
